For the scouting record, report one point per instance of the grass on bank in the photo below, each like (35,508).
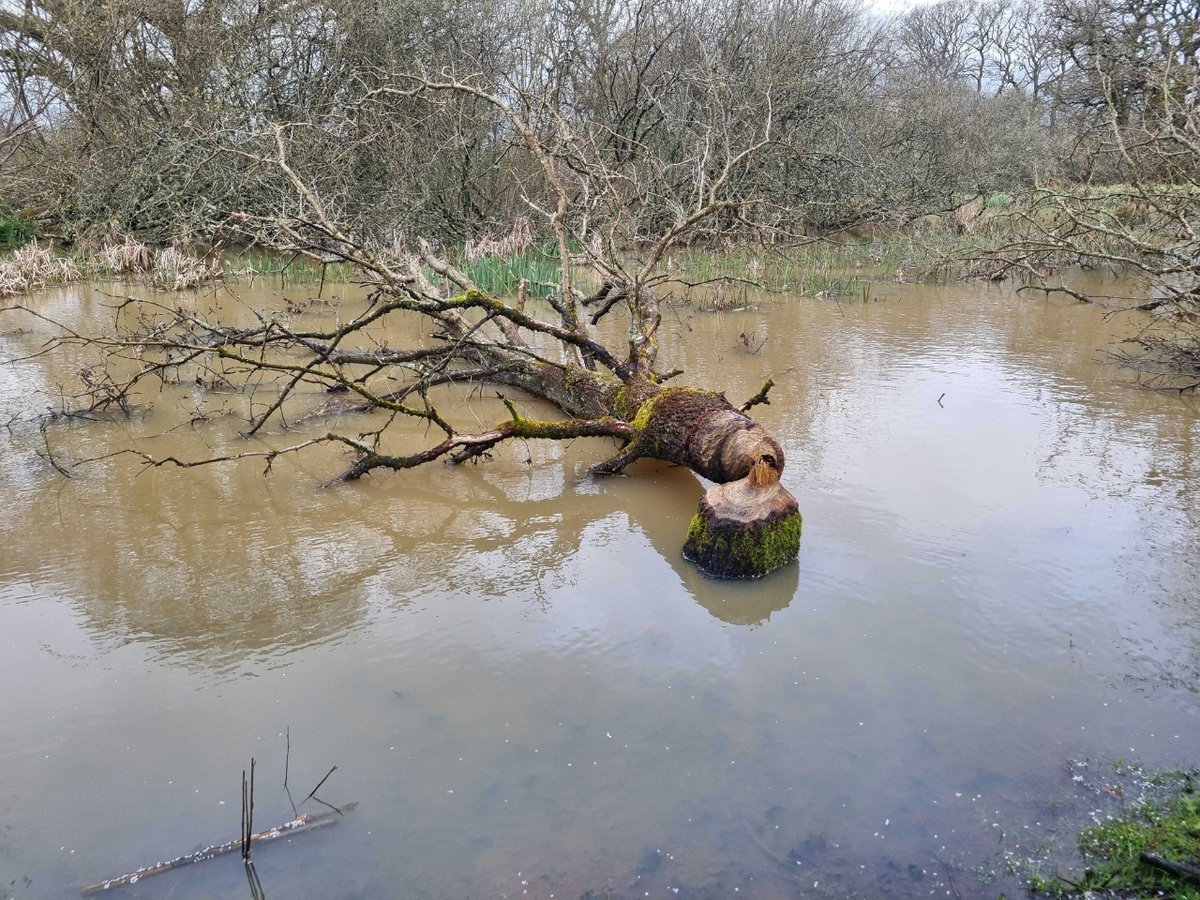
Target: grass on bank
(960,243)
(1166,824)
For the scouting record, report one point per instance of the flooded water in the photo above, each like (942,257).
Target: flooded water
(526,689)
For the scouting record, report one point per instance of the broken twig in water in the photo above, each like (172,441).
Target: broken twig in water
(303,822)
(312,793)
(248,811)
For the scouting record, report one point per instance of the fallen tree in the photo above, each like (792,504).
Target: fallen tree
(747,526)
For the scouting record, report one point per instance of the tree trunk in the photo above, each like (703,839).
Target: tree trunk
(745,528)
(748,524)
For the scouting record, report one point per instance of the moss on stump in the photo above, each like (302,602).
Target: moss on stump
(745,528)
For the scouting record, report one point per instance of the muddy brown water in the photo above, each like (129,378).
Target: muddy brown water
(529,692)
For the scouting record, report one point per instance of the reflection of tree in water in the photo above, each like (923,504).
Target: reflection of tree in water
(1132,450)
(738,602)
(219,563)
(516,547)
(192,572)
(1172,521)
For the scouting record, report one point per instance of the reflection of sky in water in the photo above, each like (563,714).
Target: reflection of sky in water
(22,393)
(527,689)
(1022,493)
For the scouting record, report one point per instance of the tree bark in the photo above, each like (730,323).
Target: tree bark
(747,526)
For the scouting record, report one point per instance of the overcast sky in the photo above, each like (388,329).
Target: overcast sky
(895,6)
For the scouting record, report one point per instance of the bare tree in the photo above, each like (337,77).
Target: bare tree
(1147,224)
(936,39)
(134,105)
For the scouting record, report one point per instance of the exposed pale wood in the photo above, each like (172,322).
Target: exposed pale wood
(745,528)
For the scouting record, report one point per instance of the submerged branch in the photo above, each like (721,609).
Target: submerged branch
(298,825)
(155,462)
(463,447)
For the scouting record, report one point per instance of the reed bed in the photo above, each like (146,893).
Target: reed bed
(501,264)
(286,270)
(502,276)
(842,265)
(516,243)
(32,268)
(830,267)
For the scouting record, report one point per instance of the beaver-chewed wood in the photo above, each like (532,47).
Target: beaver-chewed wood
(745,528)
(749,524)
(694,428)
(547,348)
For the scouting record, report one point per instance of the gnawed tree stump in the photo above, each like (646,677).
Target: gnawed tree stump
(745,528)
(749,524)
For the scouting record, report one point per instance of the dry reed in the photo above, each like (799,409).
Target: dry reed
(516,242)
(34,267)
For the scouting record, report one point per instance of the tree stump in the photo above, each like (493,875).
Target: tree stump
(745,528)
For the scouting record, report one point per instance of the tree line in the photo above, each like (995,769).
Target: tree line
(161,118)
